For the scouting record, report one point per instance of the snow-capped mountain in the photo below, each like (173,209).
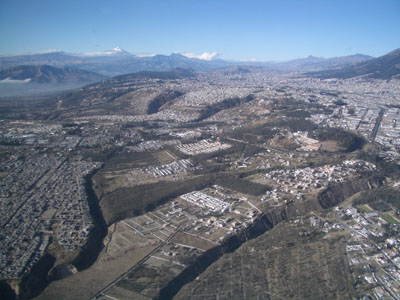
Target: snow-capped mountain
(117,61)
(115,51)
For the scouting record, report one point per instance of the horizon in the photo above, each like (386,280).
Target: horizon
(231,30)
(206,56)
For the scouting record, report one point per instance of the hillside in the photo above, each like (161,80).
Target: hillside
(312,63)
(45,74)
(113,62)
(288,262)
(118,62)
(383,67)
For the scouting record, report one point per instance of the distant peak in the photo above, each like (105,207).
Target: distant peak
(202,56)
(394,52)
(314,57)
(50,51)
(359,55)
(145,55)
(119,50)
(115,51)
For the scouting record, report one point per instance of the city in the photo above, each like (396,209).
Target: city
(231,156)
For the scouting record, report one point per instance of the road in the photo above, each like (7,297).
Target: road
(383,284)
(362,119)
(144,259)
(377,124)
(34,184)
(377,278)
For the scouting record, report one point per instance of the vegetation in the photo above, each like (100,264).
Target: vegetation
(8,141)
(364,208)
(117,161)
(162,99)
(347,140)
(162,75)
(389,219)
(340,102)
(322,110)
(6,291)
(383,67)
(296,125)
(386,168)
(288,103)
(173,74)
(100,154)
(74,131)
(328,93)
(382,199)
(242,185)
(127,202)
(72,124)
(297,114)
(301,125)
(140,279)
(212,109)
(73,98)
(351,111)
(258,134)
(283,262)
(235,150)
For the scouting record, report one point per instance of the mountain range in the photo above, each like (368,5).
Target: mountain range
(47,74)
(118,61)
(384,67)
(58,68)
(113,62)
(318,63)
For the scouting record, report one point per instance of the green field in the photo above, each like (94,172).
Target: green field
(389,219)
(364,208)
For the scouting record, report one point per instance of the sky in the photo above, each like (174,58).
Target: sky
(235,30)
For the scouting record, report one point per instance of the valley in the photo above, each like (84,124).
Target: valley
(209,185)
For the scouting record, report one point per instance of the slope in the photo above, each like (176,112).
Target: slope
(47,74)
(383,67)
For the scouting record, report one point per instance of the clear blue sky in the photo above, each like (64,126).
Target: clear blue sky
(245,29)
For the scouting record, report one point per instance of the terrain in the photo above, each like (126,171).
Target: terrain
(311,63)
(383,67)
(272,267)
(47,74)
(113,62)
(234,183)
(32,80)
(118,61)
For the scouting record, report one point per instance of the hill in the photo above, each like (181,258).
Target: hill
(383,67)
(114,62)
(115,87)
(283,263)
(318,63)
(174,73)
(44,74)
(54,58)
(118,61)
